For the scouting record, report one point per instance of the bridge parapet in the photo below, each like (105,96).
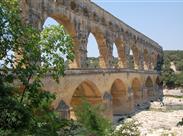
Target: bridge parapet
(107,71)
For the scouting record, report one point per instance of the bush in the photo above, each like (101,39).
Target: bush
(92,119)
(128,128)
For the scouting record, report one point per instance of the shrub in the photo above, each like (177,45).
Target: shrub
(180,123)
(92,119)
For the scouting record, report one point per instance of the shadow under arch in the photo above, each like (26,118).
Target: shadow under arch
(158,87)
(149,88)
(120,104)
(158,82)
(121,53)
(137,92)
(70,29)
(88,91)
(103,50)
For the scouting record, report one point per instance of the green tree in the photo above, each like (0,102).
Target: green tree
(27,56)
(179,80)
(168,77)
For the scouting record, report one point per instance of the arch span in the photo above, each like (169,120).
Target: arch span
(119,97)
(88,91)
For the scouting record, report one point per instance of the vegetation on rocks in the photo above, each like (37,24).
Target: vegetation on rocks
(128,128)
(180,123)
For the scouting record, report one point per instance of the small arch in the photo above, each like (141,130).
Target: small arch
(115,59)
(146,63)
(153,60)
(134,57)
(73,5)
(149,87)
(85,11)
(86,90)
(103,50)
(119,97)
(158,83)
(137,92)
(92,52)
(159,62)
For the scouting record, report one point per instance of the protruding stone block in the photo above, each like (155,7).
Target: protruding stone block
(64,110)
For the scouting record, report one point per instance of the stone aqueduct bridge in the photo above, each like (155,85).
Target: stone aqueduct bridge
(120,89)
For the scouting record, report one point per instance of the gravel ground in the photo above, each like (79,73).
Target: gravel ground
(155,123)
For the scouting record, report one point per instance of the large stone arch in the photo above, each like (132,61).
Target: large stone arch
(103,50)
(149,87)
(121,52)
(88,91)
(137,92)
(70,29)
(119,97)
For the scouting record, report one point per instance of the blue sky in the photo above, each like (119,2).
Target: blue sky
(161,20)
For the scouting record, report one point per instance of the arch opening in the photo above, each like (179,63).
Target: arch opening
(119,54)
(146,67)
(69,29)
(102,47)
(119,94)
(88,91)
(134,58)
(115,58)
(149,87)
(153,61)
(92,52)
(158,62)
(137,92)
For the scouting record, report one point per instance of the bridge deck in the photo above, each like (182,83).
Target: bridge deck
(100,70)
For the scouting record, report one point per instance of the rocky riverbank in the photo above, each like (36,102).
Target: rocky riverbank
(158,123)
(162,118)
